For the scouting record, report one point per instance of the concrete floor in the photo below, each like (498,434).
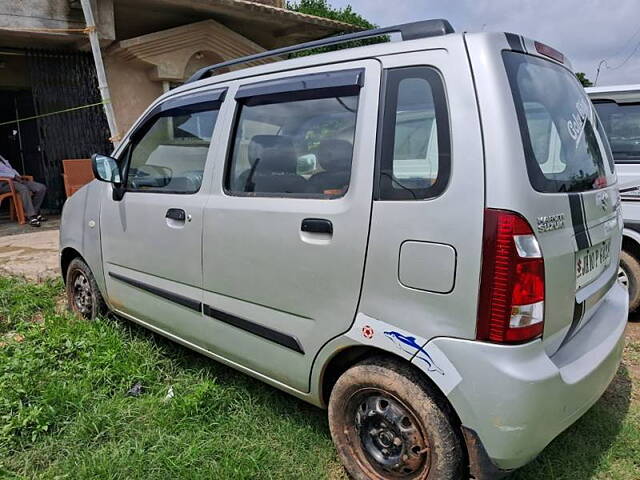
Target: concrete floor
(11,227)
(29,252)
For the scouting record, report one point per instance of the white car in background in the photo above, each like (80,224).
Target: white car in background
(619,110)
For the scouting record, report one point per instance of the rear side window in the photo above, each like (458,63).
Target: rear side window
(297,144)
(168,154)
(622,123)
(565,146)
(415,146)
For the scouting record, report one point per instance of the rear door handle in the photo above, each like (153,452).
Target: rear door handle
(176,214)
(317,225)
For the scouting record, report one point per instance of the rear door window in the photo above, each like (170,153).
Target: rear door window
(564,144)
(622,124)
(294,137)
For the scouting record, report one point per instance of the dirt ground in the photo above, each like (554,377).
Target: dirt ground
(633,361)
(33,256)
(633,330)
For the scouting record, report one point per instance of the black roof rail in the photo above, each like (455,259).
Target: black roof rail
(408,31)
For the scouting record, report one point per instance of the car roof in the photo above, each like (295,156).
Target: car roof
(261,68)
(408,31)
(417,36)
(618,93)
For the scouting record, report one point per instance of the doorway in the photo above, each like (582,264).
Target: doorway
(20,140)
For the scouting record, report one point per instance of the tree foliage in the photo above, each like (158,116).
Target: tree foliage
(321,8)
(584,80)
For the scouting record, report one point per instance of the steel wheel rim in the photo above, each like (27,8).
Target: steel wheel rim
(82,295)
(623,278)
(388,435)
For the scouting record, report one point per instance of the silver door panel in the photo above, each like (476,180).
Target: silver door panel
(260,268)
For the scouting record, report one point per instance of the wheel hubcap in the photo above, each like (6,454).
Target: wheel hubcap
(390,434)
(82,297)
(623,277)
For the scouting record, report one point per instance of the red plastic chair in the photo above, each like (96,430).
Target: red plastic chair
(15,203)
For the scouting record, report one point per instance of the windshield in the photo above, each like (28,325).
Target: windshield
(622,124)
(564,144)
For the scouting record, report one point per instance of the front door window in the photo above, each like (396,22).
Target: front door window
(170,152)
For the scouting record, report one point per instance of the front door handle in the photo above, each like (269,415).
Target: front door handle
(176,214)
(317,225)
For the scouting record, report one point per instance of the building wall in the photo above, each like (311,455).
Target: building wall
(131,89)
(56,14)
(40,13)
(139,69)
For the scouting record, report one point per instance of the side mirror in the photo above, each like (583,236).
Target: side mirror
(106,169)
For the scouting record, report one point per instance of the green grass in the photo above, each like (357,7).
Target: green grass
(64,412)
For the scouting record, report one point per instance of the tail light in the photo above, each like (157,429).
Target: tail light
(511,307)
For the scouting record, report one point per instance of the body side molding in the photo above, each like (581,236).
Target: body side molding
(173,297)
(267,333)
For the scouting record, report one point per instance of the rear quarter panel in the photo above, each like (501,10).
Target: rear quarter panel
(452,220)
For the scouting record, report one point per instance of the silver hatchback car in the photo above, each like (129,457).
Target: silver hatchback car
(422,236)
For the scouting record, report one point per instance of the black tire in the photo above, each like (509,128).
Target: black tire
(83,295)
(631,267)
(387,422)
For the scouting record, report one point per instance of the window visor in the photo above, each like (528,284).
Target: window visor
(343,83)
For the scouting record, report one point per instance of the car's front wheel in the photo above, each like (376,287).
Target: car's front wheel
(387,423)
(83,295)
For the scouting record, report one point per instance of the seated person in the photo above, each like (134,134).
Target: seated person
(24,187)
(334,157)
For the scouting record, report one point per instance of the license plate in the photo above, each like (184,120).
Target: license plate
(591,262)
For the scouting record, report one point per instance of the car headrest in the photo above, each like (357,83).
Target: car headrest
(260,143)
(335,154)
(276,153)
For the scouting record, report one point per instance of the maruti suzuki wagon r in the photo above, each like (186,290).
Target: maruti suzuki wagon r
(420,235)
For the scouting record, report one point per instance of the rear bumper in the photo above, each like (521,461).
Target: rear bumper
(518,399)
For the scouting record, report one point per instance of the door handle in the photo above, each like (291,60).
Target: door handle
(176,214)
(317,225)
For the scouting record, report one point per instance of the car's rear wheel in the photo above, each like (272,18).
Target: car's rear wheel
(629,275)
(83,295)
(387,423)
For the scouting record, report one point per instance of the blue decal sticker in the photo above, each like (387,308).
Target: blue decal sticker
(410,346)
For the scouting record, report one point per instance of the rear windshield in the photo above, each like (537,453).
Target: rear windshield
(622,124)
(564,145)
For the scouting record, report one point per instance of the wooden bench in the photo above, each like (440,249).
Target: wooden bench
(77,173)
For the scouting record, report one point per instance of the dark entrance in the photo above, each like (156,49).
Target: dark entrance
(20,141)
(57,83)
